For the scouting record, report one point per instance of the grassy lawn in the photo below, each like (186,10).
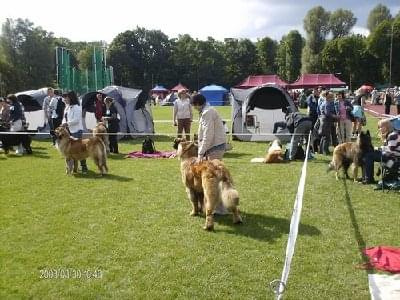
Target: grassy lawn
(134,227)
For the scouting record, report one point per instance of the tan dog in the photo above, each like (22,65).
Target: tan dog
(78,149)
(351,153)
(208,181)
(100,130)
(275,153)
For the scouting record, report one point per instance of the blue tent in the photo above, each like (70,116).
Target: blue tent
(159,89)
(214,94)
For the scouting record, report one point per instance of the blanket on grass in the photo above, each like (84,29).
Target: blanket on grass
(157,154)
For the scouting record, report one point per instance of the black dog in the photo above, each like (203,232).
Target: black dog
(10,140)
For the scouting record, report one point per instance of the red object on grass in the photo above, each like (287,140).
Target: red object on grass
(384,258)
(157,154)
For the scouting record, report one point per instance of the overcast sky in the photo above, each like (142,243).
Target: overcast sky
(90,20)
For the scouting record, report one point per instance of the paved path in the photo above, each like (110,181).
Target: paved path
(379,110)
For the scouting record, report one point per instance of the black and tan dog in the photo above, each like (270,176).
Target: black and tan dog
(207,182)
(351,153)
(78,149)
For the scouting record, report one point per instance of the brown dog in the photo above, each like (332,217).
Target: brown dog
(350,153)
(100,130)
(78,149)
(275,153)
(208,181)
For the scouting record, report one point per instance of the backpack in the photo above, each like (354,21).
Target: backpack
(148,146)
(60,107)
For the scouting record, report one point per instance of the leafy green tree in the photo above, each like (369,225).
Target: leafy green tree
(29,55)
(377,15)
(266,53)
(340,22)
(316,25)
(350,58)
(294,47)
(240,58)
(139,57)
(379,44)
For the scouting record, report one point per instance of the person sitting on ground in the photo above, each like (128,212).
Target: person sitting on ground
(390,150)
(300,126)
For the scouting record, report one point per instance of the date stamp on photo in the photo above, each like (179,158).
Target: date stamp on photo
(70,273)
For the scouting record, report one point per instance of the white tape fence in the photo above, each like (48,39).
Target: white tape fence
(279,286)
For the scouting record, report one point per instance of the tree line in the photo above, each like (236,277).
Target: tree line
(142,57)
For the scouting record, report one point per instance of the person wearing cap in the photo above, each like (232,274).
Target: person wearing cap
(183,114)
(390,149)
(73,119)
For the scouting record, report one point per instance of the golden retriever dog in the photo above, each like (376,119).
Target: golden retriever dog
(100,130)
(78,149)
(209,182)
(351,153)
(275,153)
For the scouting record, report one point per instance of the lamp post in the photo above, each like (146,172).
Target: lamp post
(390,60)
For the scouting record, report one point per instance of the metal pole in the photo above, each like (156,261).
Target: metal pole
(58,83)
(95,69)
(390,63)
(87,81)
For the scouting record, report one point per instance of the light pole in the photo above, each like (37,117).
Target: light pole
(390,61)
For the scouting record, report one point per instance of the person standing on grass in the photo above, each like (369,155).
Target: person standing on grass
(99,107)
(16,116)
(343,109)
(397,99)
(211,136)
(112,123)
(73,120)
(388,102)
(46,108)
(56,109)
(183,114)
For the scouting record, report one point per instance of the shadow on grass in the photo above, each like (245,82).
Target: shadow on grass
(39,154)
(91,174)
(357,234)
(262,227)
(235,154)
(118,156)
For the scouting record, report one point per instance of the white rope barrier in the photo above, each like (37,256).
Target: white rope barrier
(148,134)
(279,286)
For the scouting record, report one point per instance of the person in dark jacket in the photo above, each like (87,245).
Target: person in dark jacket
(312,104)
(300,126)
(327,121)
(112,123)
(16,116)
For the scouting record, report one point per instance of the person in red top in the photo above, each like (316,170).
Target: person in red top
(99,107)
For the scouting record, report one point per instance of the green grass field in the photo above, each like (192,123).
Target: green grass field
(133,227)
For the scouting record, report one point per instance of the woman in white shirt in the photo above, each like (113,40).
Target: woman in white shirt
(73,119)
(182,114)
